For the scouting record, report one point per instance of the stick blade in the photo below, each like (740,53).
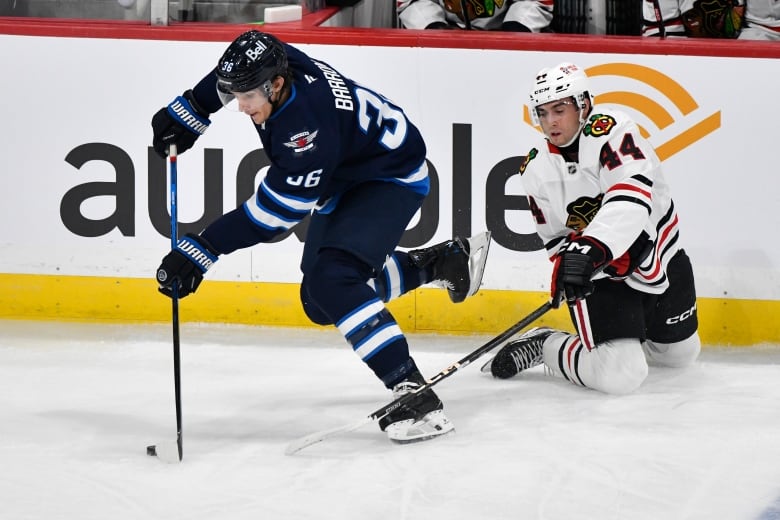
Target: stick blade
(313,438)
(167,452)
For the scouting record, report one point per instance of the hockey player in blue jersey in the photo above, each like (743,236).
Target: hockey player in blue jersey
(351,159)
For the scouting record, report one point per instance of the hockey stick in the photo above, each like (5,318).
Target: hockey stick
(167,451)
(464,9)
(301,443)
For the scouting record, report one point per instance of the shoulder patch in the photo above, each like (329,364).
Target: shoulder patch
(302,141)
(599,124)
(528,158)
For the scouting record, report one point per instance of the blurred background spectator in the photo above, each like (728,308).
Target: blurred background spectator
(559,16)
(693,18)
(224,11)
(509,15)
(762,20)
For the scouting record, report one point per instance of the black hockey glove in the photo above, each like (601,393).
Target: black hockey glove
(180,123)
(576,261)
(185,265)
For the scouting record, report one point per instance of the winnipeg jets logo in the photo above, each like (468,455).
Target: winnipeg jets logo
(302,141)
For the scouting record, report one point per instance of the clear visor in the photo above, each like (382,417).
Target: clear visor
(553,109)
(247,101)
(550,109)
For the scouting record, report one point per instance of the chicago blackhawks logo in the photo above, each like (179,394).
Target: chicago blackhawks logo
(475,8)
(582,211)
(528,158)
(599,124)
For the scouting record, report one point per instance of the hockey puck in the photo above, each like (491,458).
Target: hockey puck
(151,451)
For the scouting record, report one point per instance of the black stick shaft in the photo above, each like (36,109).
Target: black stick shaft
(464,9)
(172,156)
(464,362)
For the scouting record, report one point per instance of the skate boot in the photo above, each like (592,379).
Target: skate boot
(419,419)
(518,355)
(457,264)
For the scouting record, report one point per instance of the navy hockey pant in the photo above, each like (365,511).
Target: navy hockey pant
(344,249)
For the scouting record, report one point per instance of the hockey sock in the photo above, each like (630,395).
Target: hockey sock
(376,338)
(399,276)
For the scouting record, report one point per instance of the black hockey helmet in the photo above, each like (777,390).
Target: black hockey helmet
(252,61)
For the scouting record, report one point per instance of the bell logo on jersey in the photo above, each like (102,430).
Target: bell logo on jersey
(302,141)
(599,124)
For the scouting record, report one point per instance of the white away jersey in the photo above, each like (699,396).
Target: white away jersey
(765,13)
(486,15)
(613,193)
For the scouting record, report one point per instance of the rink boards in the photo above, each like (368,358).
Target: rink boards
(84,208)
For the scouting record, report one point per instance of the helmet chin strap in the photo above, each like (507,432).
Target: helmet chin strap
(275,104)
(583,119)
(574,137)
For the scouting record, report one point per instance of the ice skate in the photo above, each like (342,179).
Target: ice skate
(420,419)
(458,264)
(518,355)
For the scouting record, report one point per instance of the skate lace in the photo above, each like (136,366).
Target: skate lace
(403,388)
(527,356)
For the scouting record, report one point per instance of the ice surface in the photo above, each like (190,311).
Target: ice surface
(79,403)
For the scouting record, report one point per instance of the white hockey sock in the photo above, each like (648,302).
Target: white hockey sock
(613,367)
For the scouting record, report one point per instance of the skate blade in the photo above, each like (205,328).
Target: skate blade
(487,366)
(478,252)
(423,438)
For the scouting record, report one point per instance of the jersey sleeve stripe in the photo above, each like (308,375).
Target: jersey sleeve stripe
(289,203)
(418,180)
(264,218)
(628,198)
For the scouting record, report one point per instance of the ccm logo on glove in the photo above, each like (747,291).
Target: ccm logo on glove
(575,263)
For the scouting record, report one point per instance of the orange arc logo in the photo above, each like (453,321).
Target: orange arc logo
(654,111)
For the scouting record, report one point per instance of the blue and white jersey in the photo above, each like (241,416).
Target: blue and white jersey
(329,136)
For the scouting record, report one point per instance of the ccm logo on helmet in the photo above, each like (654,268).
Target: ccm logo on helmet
(681,317)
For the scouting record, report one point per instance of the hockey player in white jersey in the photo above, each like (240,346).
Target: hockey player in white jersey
(506,15)
(694,18)
(762,20)
(607,220)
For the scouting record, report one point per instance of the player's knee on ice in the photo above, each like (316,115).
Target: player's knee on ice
(615,367)
(676,355)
